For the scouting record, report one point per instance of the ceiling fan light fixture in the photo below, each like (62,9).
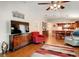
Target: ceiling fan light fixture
(59,6)
(55,8)
(55,5)
(51,7)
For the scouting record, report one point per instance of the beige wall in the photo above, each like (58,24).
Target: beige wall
(33,17)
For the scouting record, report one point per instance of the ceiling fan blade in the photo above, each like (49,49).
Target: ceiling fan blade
(64,1)
(62,7)
(43,3)
(48,8)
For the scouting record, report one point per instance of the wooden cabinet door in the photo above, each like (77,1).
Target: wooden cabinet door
(16,41)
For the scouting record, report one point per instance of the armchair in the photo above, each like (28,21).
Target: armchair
(37,38)
(73,39)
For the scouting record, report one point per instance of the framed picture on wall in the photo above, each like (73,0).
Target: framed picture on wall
(44,26)
(18,14)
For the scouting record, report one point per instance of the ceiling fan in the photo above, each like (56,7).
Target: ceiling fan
(54,5)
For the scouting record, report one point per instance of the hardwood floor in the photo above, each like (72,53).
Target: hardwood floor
(24,52)
(53,41)
(27,51)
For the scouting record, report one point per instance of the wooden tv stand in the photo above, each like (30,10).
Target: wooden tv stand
(18,40)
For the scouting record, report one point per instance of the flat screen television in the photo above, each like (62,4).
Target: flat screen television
(18,27)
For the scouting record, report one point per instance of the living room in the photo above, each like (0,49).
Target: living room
(53,25)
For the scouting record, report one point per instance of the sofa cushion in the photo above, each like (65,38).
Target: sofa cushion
(75,33)
(75,37)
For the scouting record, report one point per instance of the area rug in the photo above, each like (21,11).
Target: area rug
(55,51)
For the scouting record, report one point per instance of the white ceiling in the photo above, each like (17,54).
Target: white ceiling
(71,10)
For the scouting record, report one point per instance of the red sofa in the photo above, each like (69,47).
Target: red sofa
(37,38)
